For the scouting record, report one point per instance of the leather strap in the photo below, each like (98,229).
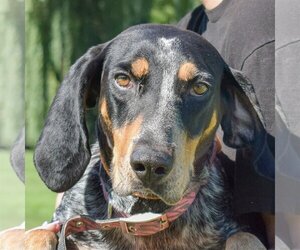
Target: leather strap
(138,225)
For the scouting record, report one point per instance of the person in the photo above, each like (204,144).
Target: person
(243,33)
(18,238)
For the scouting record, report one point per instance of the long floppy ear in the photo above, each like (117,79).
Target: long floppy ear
(242,120)
(62,152)
(243,123)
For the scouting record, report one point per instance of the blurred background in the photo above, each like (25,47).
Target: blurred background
(12,109)
(57,33)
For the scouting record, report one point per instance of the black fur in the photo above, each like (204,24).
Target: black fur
(237,122)
(62,152)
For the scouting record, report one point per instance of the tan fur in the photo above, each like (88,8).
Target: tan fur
(244,241)
(202,140)
(103,109)
(189,146)
(104,113)
(140,67)
(187,71)
(40,239)
(123,144)
(186,152)
(12,240)
(123,137)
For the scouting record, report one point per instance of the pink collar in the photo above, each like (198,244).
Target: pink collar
(139,225)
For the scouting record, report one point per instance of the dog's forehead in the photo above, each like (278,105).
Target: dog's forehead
(169,43)
(165,43)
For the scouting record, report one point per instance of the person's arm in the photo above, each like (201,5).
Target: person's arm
(43,237)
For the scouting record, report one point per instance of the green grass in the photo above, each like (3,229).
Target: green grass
(40,201)
(12,194)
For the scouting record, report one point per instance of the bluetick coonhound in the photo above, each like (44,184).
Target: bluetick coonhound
(162,92)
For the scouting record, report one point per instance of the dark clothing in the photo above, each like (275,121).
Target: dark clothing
(243,33)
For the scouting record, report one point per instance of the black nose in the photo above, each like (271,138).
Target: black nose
(150,165)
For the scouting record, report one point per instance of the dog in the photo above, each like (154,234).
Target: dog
(162,92)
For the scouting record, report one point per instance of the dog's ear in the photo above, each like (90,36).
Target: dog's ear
(62,152)
(242,120)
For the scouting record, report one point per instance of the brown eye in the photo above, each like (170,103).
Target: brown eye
(123,80)
(199,89)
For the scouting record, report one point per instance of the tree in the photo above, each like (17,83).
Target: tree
(11,70)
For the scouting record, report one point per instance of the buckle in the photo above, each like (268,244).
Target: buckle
(144,227)
(164,223)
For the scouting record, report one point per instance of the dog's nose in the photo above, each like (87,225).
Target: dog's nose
(149,165)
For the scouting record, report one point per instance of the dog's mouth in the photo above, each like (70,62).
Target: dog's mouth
(146,195)
(149,194)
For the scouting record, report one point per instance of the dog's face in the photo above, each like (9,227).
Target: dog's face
(159,108)
(163,92)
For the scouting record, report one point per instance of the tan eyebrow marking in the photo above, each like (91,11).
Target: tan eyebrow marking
(140,67)
(187,71)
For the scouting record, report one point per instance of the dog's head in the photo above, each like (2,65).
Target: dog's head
(162,94)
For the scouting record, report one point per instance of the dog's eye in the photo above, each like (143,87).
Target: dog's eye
(199,89)
(123,80)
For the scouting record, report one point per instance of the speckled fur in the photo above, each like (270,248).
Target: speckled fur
(206,225)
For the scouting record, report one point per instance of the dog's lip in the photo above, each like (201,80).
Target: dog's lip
(148,195)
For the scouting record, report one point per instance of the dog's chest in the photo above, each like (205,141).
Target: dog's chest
(183,239)
(205,225)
